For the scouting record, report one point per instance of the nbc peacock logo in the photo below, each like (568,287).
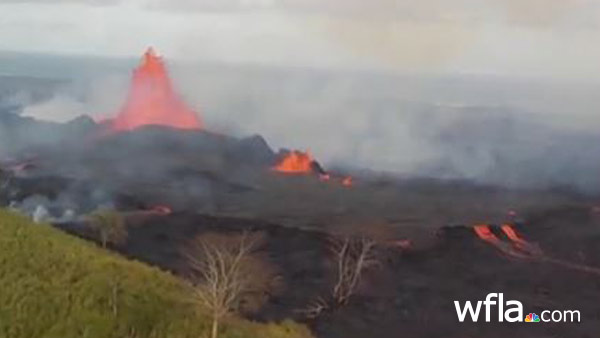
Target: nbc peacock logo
(532,318)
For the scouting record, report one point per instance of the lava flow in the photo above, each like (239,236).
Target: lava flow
(484,232)
(296,162)
(152,100)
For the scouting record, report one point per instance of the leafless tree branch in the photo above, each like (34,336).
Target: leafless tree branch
(223,266)
(353,256)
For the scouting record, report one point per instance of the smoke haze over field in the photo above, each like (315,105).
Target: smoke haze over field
(493,90)
(484,128)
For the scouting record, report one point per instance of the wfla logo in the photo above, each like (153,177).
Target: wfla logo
(511,311)
(532,318)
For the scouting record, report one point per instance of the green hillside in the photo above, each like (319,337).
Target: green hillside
(56,285)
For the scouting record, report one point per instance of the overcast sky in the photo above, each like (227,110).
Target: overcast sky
(539,38)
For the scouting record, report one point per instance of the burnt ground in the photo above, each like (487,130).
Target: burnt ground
(411,293)
(219,184)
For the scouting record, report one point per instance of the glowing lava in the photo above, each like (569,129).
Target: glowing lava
(512,234)
(162,210)
(152,100)
(484,232)
(325,177)
(296,162)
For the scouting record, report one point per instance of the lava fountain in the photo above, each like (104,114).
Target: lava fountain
(296,162)
(153,101)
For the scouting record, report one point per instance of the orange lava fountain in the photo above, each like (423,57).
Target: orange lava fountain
(152,100)
(296,162)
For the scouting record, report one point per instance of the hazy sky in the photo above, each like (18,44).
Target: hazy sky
(548,38)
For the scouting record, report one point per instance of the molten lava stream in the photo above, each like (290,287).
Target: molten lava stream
(153,101)
(484,232)
(324,177)
(161,210)
(512,234)
(296,162)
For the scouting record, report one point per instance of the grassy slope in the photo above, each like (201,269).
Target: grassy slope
(55,285)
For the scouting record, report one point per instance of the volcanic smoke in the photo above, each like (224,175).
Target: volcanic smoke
(152,100)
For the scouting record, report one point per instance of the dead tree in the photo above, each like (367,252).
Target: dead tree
(315,308)
(354,248)
(225,268)
(353,257)
(109,225)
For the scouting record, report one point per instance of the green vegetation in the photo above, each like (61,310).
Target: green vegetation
(56,285)
(109,225)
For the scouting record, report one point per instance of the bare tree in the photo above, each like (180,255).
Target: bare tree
(315,308)
(226,268)
(353,256)
(109,225)
(354,247)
